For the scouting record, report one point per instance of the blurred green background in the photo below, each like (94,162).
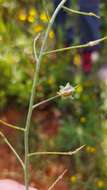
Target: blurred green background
(61,125)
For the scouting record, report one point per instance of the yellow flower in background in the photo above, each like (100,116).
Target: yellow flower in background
(100,183)
(79,89)
(32,12)
(51,81)
(44,17)
(82,119)
(73,179)
(32,15)
(22,16)
(51,34)
(77,60)
(31,19)
(91,149)
(38,28)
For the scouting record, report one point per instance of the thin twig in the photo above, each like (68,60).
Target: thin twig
(50,99)
(46,9)
(89,44)
(11,126)
(34,46)
(70,153)
(13,150)
(80,12)
(45,101)
(57,180)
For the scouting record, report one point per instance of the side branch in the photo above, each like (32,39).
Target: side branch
(34,47)
(70,153)
(57,180)
(45,101)
(80,12)
(11,126)
(13,150)
(89,44)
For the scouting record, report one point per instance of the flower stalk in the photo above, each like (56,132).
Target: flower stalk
(57,180)
(89,44)
(80,12)
(33,92)
(11,126)
(70,153)
(45,101)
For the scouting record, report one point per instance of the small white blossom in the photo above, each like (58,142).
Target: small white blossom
(95,57)
(66,91)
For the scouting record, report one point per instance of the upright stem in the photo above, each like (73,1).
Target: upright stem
(33,92)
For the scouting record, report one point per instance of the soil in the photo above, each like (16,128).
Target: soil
(9,166)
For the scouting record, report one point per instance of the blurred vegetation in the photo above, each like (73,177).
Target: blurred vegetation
(81,121)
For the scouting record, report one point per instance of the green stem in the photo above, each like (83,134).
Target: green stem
(13,150)
(11,126)
(45,101)
(70,153)
(91,43)
(34,47)
(57,180)
(33,92)
(80,12)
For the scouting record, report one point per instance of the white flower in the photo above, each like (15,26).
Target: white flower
(66,91)
(95,56)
